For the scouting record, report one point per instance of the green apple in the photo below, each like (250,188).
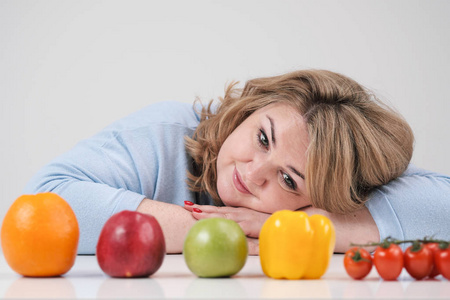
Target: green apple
(215,247)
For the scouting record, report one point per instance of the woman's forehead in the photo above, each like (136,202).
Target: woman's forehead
(282,112)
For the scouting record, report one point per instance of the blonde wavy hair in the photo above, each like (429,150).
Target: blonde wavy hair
(356,142)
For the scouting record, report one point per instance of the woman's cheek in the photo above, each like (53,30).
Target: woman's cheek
(225,191)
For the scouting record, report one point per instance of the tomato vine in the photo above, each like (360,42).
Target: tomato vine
(427,257)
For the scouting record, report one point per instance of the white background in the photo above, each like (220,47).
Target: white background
(69,68)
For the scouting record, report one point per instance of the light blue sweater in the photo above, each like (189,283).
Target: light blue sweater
(143,156)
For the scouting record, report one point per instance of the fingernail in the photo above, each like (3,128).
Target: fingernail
(197,210)
(189,203)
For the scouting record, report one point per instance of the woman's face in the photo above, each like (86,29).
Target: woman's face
(261,165)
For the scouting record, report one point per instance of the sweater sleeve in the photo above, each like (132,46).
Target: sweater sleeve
(139,156)
(413,206)
(95,185)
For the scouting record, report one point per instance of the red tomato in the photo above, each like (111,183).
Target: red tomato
(418,261)
(388,261)
(433,247)
(442,259)
(357,262)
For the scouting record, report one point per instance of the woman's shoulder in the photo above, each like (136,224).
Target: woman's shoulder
(152,124)
(421,178)
(416,184)
(414,170)
(164,112)
(416,204)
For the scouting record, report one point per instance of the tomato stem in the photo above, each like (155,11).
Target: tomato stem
(357,257)
(443,245)
(416,246)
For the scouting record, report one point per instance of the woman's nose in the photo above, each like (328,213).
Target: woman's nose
(258,171)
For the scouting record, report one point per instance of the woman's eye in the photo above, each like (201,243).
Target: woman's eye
(289,182)
(262,139)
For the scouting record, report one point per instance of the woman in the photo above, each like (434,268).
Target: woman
(310,140)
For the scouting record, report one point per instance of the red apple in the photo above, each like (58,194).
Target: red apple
(131,244)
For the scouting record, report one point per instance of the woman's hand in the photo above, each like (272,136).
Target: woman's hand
(250,220)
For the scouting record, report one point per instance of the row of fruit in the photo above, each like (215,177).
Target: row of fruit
(40,234)
(217,247)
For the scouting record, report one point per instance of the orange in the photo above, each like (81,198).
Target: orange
(40,235)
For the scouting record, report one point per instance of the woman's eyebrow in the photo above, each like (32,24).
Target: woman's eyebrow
(297,172)
(272,129)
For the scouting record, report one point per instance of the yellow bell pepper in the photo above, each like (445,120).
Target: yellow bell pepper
(295,246)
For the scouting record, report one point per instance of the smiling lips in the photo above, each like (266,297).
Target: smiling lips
(239,184)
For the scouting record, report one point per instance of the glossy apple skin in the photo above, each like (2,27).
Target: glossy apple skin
(131,244)
(215,247)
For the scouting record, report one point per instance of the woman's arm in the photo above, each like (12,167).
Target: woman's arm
(250,220)
(175,222)
(101,177)
(358,227)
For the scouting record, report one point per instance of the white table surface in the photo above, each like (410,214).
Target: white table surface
(174,280)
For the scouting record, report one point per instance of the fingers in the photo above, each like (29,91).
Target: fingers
(188,205)
(203,211)
(250,221)
(211,211)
